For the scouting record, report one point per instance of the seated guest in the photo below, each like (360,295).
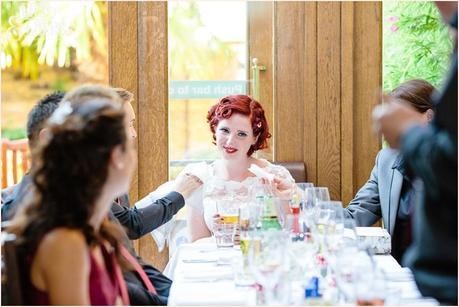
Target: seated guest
(70,251)
(388,191)
(139,222)
(239,128)
(36,121)
(164,207)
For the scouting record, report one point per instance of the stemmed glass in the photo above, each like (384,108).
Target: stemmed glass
(330,223)
(354,271)
(267,260)
(301,187)
(303,245)
(349,237)
(311,198)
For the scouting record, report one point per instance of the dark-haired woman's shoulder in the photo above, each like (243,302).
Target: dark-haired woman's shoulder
(63,245)
(64,237)
(61,267)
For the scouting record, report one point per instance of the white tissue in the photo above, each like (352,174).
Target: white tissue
(200,170)
(260,173)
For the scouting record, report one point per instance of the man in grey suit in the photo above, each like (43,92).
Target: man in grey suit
(388,191)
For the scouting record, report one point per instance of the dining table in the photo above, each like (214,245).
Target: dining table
(204,274)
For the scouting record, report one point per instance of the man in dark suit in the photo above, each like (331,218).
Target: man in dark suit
(388,192)
(137,222)
(431,155)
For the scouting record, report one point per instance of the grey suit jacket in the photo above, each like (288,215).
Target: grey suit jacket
(379,197)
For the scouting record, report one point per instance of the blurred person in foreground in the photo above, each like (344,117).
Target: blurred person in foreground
(70,252)
(388,192)
(137,222)
(431,156)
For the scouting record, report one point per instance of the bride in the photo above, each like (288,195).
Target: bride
(239,128)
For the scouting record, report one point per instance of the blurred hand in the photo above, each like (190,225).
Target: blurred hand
(393,119)
(283,188)
(186,184)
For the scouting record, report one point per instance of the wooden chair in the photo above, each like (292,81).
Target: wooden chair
(19,152)
(11,275)
(296,168)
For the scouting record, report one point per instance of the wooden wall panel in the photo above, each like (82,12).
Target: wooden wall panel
(289,83)
(310,91)
(339,70)
(328,97)
(367,82)
(153,118)
(347,101)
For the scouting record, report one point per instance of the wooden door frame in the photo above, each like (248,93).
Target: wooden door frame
(138,62)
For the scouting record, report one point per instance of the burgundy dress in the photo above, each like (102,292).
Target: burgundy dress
(105,284)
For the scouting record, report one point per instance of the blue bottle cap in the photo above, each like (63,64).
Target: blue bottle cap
(312,288)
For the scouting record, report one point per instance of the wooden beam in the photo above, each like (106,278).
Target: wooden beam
(153,118)
(122,61)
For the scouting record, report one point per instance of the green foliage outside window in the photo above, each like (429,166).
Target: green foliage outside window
(417,44)
(50,32)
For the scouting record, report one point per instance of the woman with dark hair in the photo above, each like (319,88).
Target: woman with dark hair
(239,129)
(389,192)
(71,253)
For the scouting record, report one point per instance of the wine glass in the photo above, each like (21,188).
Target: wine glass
(333,226)
(303,246)
(322,194)
(312,196)
(354,272)
(267,260)
(301,187)
(349,237)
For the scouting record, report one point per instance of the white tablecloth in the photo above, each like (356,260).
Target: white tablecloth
(202,275)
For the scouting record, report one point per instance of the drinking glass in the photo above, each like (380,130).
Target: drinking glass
(373,292)
(268,260)
(224,232)
(224,235)
(321,194)
(349,233)
(228,210)
(303,246)
(312,196)
(301,187)
(304,185)
(354,272)
(329,223)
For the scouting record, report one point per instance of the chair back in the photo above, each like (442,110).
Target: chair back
(296,168)
(11,275)
(14,161)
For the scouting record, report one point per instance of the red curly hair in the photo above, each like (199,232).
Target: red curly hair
(244,105)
